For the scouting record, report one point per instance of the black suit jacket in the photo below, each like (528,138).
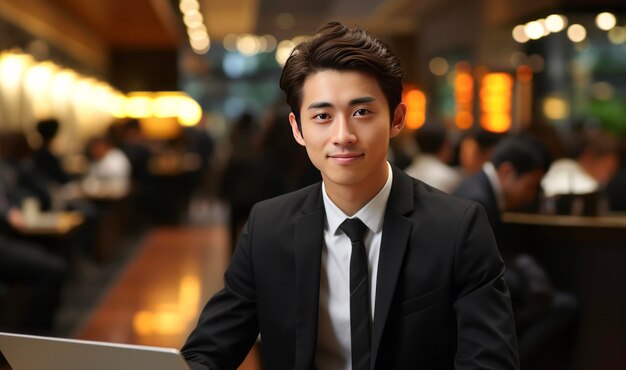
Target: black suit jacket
(441,301)
(479,189)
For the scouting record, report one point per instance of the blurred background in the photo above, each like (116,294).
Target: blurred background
(136,135)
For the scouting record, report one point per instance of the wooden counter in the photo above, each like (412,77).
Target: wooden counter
(587,257)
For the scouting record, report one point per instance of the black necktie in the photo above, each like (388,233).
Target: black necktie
(359,295)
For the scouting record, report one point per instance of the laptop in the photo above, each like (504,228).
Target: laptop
(28,352)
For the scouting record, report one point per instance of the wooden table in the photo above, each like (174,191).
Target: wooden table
(53,223)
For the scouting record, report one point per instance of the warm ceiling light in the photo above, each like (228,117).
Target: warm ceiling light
(545,29)
(576,33)
(556,23)
(193,19)
(283,51)
(519,34)
(534,30)
(438,66)
(230,42)
(248,45)
(555,108)
(188,5)
(605,21)
(270,43)
(200,46)
(197,34)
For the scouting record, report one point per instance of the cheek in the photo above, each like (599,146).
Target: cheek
(529,191)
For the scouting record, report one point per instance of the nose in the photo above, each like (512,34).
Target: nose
(343,134)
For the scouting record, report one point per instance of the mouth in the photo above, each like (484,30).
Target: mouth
(345,158)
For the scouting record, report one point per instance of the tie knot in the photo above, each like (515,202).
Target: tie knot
(354,228)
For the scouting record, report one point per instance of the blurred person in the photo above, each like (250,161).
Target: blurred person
(238,180)
(200,143)
(134,145)
(16,157)
(506,183)
(24,262)
(431,165)
(64,191)
(282,165)
(46,161)
(109,171)
(300,275)
(278,165)
(145,192)
(576,184)
(475,148)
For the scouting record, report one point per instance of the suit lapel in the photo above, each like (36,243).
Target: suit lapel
(309,236)
(396,232)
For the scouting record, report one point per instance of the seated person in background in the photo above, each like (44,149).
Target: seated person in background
(431,165)
(475,148)
(22,262)
(575,184)
(109,172)
(506,183)
(46,161)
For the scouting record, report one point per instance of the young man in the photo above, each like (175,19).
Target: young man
(421,288)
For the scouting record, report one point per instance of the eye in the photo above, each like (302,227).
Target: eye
(322,116)
(362,112)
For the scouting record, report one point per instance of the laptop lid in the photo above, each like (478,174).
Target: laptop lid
(28,352)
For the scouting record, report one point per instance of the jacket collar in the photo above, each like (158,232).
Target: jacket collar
(396,231)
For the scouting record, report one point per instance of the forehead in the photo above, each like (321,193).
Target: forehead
(338,87)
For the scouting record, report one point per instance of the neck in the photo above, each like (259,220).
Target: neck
(352,197)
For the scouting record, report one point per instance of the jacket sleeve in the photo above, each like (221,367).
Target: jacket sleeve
(228,325)
(484,316)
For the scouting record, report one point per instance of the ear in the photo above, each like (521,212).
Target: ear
(398,120)
(295,130)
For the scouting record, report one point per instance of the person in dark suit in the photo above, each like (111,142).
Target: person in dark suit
(507,183)
(369,269)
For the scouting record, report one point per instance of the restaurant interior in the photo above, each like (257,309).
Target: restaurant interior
(184,95)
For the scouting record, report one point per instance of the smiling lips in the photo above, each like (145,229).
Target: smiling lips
(346,158)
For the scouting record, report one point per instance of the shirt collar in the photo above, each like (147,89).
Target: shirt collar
(492,176)
(371,214)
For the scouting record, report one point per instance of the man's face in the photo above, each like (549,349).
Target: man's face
(346,129)
(521,189)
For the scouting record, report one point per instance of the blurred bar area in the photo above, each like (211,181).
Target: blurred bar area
(135,136)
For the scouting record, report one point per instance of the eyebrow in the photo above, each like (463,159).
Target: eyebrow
(356,101)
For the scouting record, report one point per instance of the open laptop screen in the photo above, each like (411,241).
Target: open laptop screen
(28,352)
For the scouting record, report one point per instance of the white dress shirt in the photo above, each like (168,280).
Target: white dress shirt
(431,170)
(333,340)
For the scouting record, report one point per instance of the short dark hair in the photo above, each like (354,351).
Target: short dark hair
(431,137)
(337,47)
(524,152)
(48,129)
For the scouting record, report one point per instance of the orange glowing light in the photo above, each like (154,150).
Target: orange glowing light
(495,102)
(463,96)
(524,73)
(415,102)
(463,120)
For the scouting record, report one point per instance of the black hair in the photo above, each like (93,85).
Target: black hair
(524,152)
